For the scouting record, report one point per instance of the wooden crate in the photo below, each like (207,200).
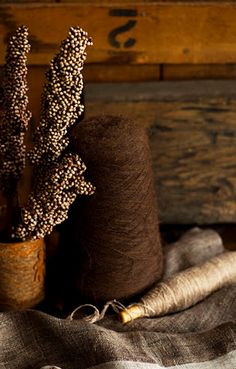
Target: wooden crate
(150,39)
(130,32)
(136,45)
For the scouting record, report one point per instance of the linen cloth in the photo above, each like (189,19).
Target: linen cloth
(201,337)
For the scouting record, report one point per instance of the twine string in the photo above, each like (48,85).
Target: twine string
(147,309)
(188,287)
(96,316)
(178,292)
(91,318)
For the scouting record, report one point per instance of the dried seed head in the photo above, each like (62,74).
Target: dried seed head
(61,99)
(15,117)
(59,178)
(57,188)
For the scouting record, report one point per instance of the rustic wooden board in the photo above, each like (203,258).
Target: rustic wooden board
(140,1)
(198,71)
(100,72)
(193,140)
(121,73)
(132,33)
(165,91)
(192,136)
(92,73)
(26,1)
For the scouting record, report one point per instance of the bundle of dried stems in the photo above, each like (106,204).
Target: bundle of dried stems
(57,173)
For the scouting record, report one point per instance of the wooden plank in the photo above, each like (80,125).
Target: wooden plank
(193,140)
(166,91)
(198,71)
(144,33)
(121,73)
(26,1)
(115,1)
(91,73)
(192,136)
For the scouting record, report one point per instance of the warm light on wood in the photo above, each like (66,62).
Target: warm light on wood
(132,33)
(131,313)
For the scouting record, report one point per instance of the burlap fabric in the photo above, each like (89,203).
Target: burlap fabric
(202,337)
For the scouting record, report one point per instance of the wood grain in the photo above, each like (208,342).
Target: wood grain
(192,136)
(101,72)
(198,71)
(146,33)
(193,141)
(142,1)
(26,1)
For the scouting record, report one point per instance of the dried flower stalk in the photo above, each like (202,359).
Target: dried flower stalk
(16,116)
(61,99)
(53,194)
(58,176)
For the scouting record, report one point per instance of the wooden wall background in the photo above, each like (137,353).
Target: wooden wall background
(171,67)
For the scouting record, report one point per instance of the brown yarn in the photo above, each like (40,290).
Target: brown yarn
(21,274)
(117,229)
(194,247)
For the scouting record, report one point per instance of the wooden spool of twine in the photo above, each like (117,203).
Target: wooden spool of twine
(21,274)
(117,229)
(185,288)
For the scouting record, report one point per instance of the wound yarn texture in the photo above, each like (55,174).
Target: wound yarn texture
(119,251)
(192,285)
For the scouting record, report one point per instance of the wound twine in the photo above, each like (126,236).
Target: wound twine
(22,273)
(119,251)
(185,288)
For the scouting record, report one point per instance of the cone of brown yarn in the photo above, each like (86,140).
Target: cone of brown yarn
(117,229)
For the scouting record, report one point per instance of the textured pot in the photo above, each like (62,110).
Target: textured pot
(22,272)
